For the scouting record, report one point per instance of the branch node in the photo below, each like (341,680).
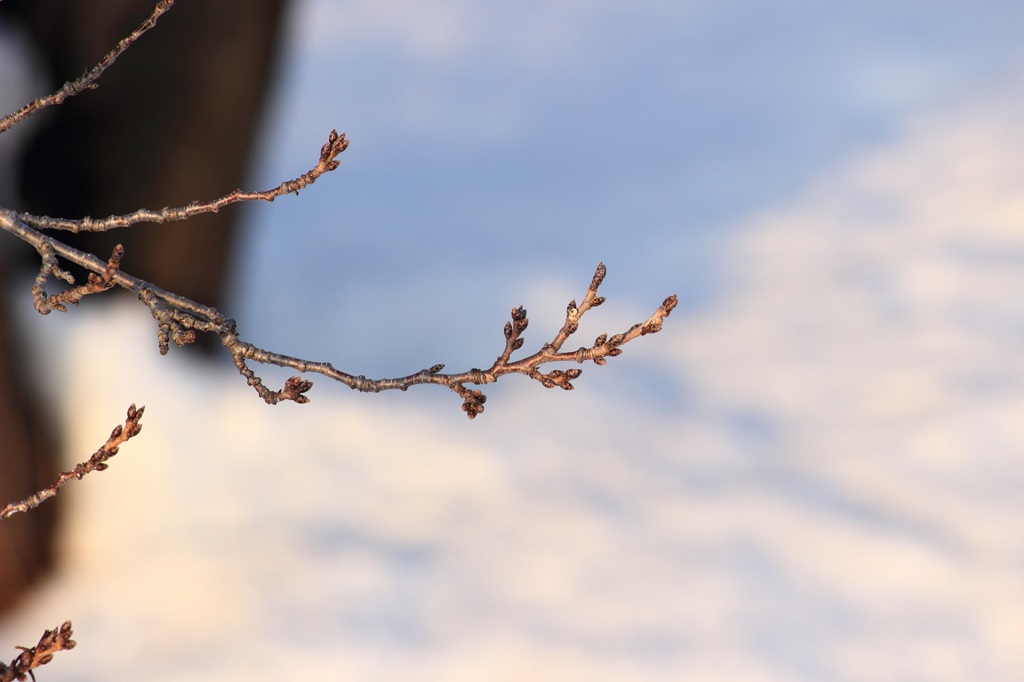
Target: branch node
(96,282)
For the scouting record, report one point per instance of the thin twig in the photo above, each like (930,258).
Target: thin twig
(334,146)
(97,462)
(87,81)
(52,641)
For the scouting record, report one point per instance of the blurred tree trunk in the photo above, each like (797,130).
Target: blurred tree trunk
(28,462)
(173,121)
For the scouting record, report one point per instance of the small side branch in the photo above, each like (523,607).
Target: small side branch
(87,81)
(119,436)
(95,284)
(30,658)
(604,346)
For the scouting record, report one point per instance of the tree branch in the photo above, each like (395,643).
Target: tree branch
(87,81)
(179,319)
(119,436)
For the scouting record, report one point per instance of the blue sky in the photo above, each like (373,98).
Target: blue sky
(650,128)
(812,473)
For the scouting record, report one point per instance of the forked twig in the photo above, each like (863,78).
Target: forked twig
(30,658)
(95,283)
(119,436)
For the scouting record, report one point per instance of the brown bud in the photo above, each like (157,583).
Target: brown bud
(163,340)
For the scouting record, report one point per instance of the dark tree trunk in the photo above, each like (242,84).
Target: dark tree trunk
(173,121)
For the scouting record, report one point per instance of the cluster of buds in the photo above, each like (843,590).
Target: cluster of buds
(52,641)
(513,333)
(558,377)
(170,327)
(474,402)
(604,346)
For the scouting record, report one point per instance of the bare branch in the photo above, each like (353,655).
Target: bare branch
(334,146)
(179,319)
(87,81)
(295,388)
(97,462)
(30,658)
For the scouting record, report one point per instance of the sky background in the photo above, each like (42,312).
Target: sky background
(814,472)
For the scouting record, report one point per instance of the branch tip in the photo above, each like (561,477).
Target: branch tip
(599,275)
(52,641)
(118,436)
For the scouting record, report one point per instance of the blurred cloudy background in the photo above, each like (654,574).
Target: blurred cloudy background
(814,472)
